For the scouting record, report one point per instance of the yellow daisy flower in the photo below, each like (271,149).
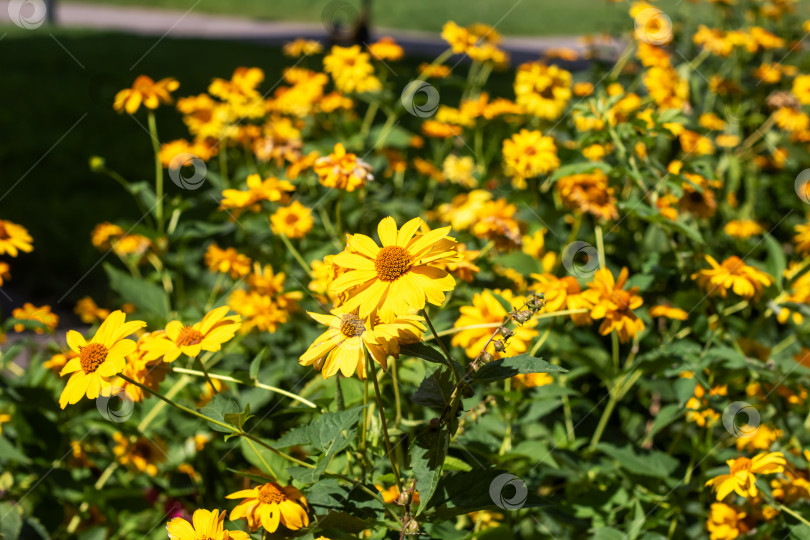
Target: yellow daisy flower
(100,358)
(147,91)
(271,505)
(400,276)
(14,238)
(741,478)
(733,274)
(293,221)
(342,346)
(140,454)
(204,525)
(207,335)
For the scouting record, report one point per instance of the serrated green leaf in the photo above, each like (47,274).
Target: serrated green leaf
(435,390)
(427,459)
(219,408)
(506,368)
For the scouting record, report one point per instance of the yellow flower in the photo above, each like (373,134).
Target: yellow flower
(399,277)
(610,302)
(172,156)
(343,346)
(302,47)
(532,380)
(14,238)
(761,437)
(342,170)
(741,478)
(140,453)
(227,261)
(459,170)
(100,358)
(725,522)
(583,89)
(589,192)
(486,309)
(4,418)
(271,505)
(42,315)
(103,232)
(733,274)
(351,70)
(147,91)
(149,373)
(89,312)
(528,154)
(562,293)
(293,221)
(478,41)
(668,312)
(386,49)
(743,228)
(542,90)
(801,89)
(271,189)
(496,221)
(5,272)
(207,335)
(438,71)
(791,119)
(205,525)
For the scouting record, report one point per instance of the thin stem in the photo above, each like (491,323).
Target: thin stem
(229,427)
(397,400)
(261,458)
(600,428)
(441,345)
(158,170)
(297,256)
(205,374)
(388,448)
(787,510)
(600,246)
(257,384)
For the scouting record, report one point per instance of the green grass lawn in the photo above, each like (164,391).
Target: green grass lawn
(515,17)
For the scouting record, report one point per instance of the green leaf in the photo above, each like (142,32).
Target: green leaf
(506,368)
(435,390)
(221,408)
(147,297)
(452,463)
(420,350)
(667,415)
(330,433)
(238,419)
(8,452)
(257,363)
(655,464)
(427,459)
(11,522)
(776,263)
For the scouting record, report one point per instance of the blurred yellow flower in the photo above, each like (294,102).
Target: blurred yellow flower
(42,315)
(342,170)
(147,92)
(742,474)
(293,221)
(734,275)
(14,238)
(227,261)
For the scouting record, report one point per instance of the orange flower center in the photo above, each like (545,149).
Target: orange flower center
(188,336)
(392,262)
(270,493)
(92,355)
(741,465)
(351,325)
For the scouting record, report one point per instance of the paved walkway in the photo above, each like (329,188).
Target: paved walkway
(191,24)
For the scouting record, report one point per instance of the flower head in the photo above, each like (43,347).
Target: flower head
(293,221)
(98,359)
(14,238)
(399,277)
(206,335)
(204,525)
(147,92)
(271,505)
(342,170)
(342,347)
(614,305)
(742,474)
(734,275)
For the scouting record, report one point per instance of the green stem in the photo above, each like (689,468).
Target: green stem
(600,246)
(207,377)
(441,345)
(600,428)
(787,510)
(296,255)
(229,427)
(158,170)
(388,449)
(247,383)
